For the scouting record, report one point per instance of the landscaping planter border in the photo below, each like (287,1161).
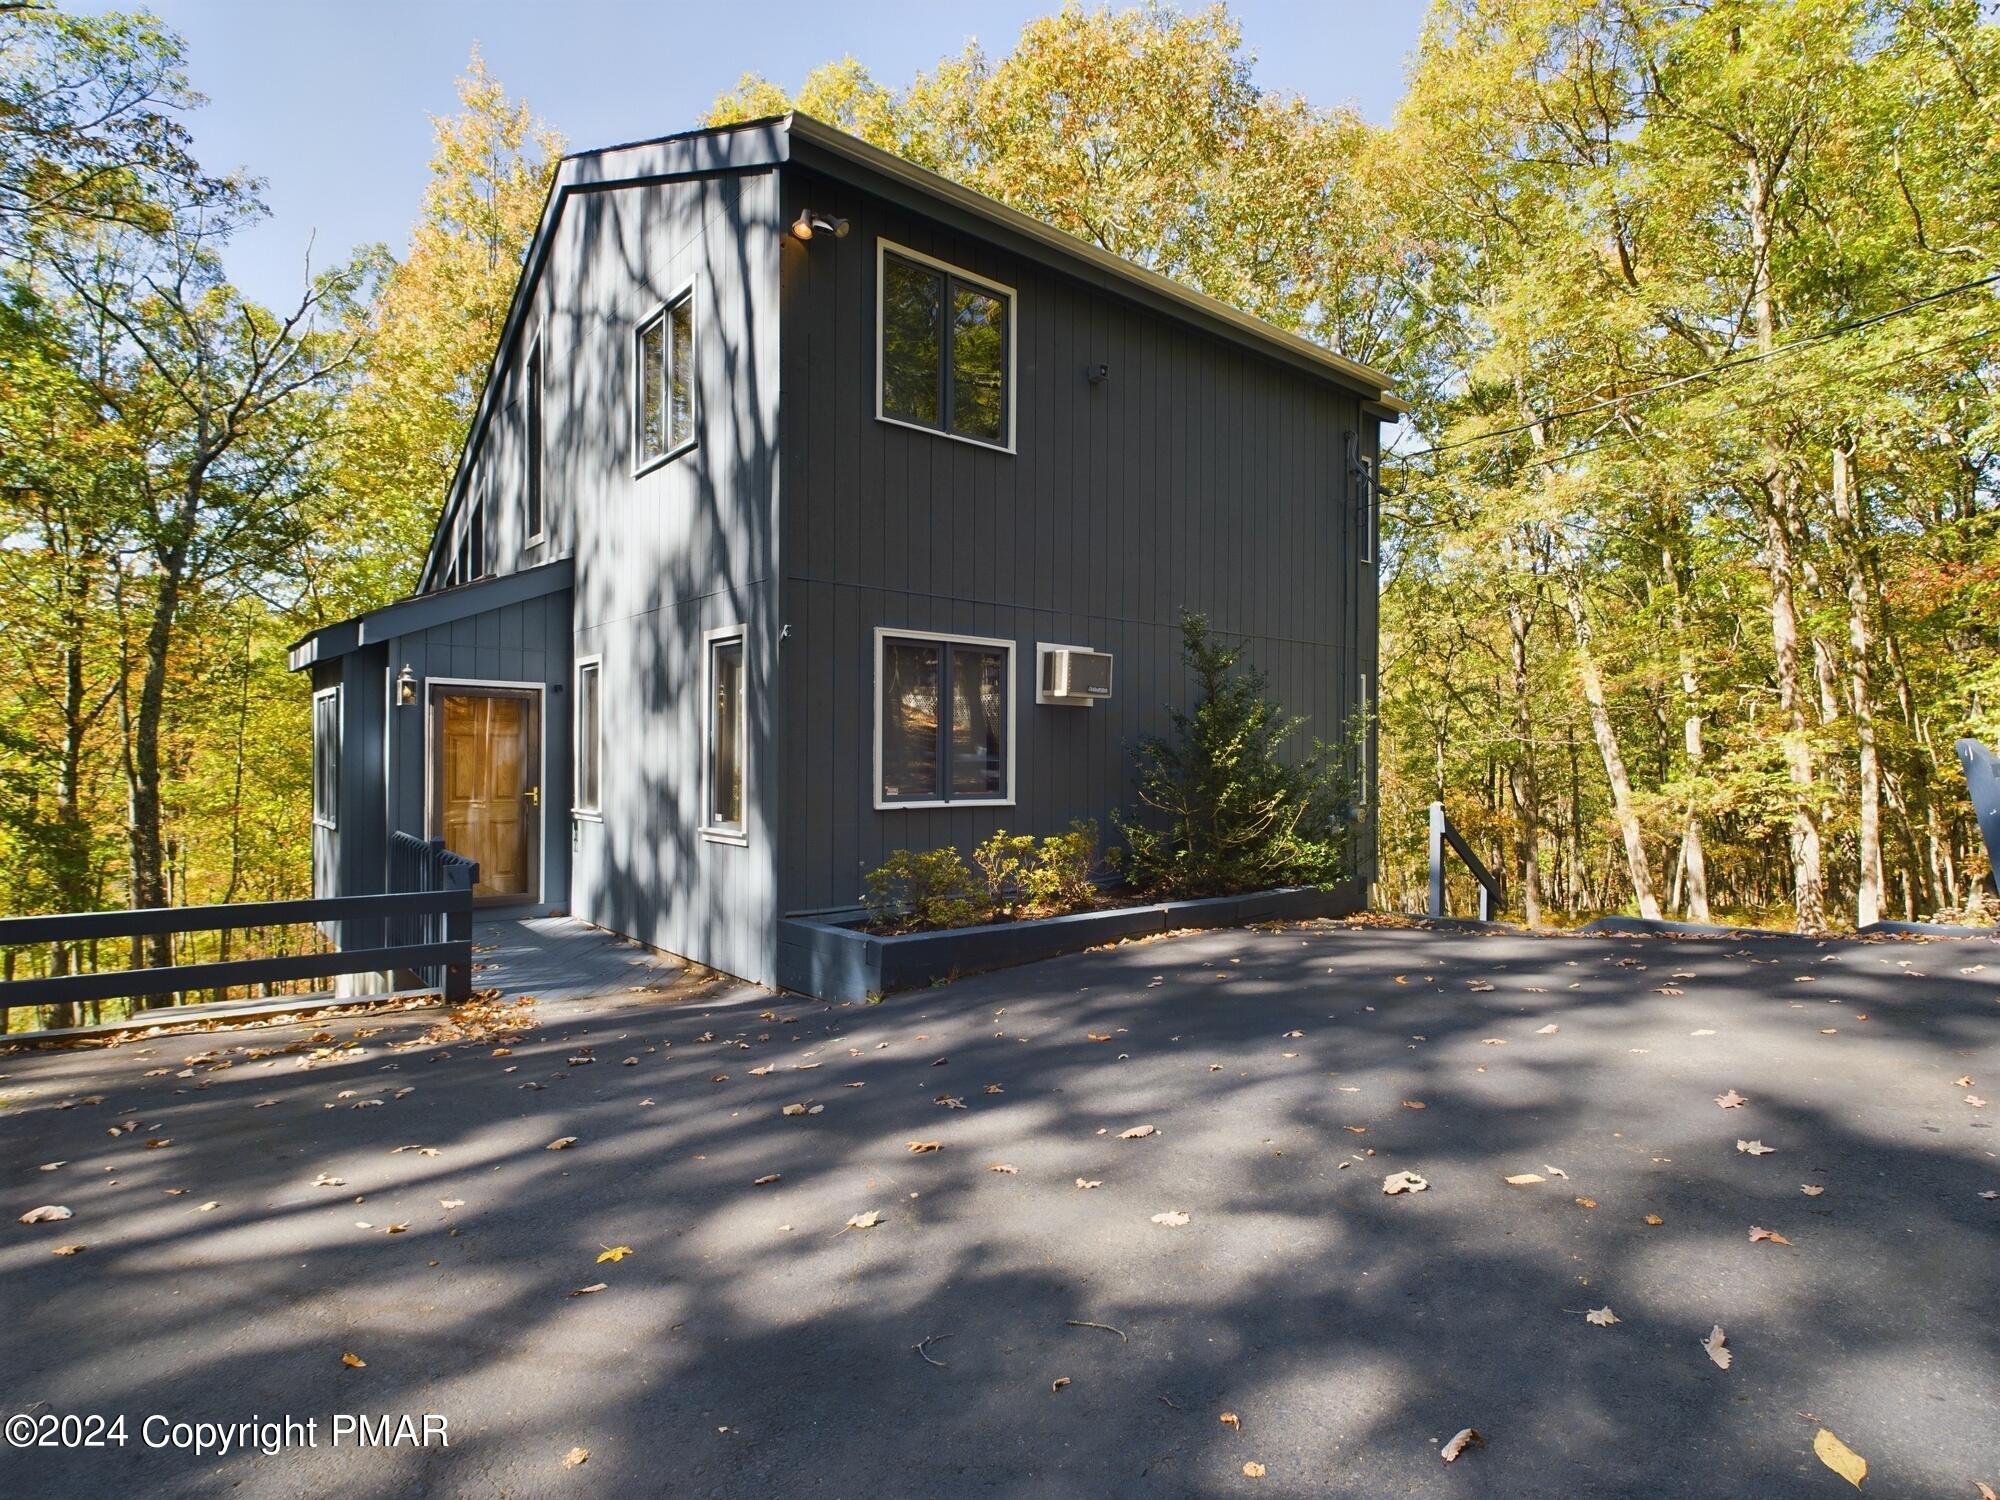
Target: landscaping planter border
(831,961)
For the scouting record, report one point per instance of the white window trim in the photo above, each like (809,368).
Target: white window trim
(884,248)
(724,833)
(432,817)
(340,749)
(1369,520)
(884,633)
(641,464)
(1367,744)
(535,399)
(577,811)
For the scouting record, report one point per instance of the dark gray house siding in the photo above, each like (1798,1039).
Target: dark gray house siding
(1197,475)
(1210,471)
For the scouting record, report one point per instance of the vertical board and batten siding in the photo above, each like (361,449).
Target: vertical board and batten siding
(666,555)
(349,858)
(1200,475)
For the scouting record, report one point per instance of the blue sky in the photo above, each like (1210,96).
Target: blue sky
(331,100)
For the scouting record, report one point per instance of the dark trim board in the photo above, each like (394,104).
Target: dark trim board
(833,962)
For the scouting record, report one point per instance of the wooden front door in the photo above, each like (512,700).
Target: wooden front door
(486,792)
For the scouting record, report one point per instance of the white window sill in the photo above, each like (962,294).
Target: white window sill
(881,806)
(586,815)
(647,466)
(956,437)
(726,836)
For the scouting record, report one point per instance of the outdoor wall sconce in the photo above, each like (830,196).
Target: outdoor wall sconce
(808,224)
(406,687)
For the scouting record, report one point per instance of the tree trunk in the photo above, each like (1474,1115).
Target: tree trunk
(1694,860)
(1527,799)
(1636,862)
(1847,512)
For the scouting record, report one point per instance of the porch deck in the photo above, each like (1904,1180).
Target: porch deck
(560,958)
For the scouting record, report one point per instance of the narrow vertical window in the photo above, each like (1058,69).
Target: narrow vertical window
(943,720)
(668,400)
(946,349)
(726,736)
(475,539)
(532,489)
(589,737)
(1366,514)
(1367,716)
(326,758)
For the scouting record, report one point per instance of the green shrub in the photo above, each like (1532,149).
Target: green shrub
(1059,879)
(1000,860)
(1228,813)
(913,892)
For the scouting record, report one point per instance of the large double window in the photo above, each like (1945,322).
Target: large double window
(944,719)
(665,419)
(947,350)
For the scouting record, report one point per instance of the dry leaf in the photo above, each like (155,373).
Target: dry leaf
(1549,1030)
(1962,1083)
(949,1101)
(1811,1189)
(69,1250)
(994,1088)
(1465,1438)
(765,1181)
(354,1361)
(209,1207)
(1555,1171)
(1603,1317)
(1975,1101)
(50,1166)
(1525,1179)
(1586,1203)
(760,1072)
(1253,1470)
(1714,1346)
(1098,1036)
(1088,1183)
(919,1148)
(614,1254)
(1655,1220)
(575,1457)
(1757,1234)
(1230,1419)
(1731,1100)
(48,1213)
(323,1180)
(1403,1182)
(1136,1133)
(1986,1491)
(560,1143)
(1173,1218)
(1754,1148)
(1840,1458)
(595,1286)
(451,1203)
(1414,1104)
(865,1221)
(1059,1382)
(397,1229)
(1005,1168)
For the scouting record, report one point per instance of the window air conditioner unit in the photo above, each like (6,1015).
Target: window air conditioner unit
(1072,676)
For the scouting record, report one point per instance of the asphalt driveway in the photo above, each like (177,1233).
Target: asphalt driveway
(749,1344)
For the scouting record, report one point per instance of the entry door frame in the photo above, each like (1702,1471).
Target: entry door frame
(444,687)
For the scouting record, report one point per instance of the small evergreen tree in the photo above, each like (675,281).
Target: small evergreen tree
(1232,814)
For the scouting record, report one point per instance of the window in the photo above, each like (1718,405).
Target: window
(724,731)
(666,382)
(1367,728)
(326,757)
(947,349)
(944,719)
(532,489)
(589,736)
(1365,506)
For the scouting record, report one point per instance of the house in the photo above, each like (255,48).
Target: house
(817,507)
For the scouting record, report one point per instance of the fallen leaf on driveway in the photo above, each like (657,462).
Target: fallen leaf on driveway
(1973,1099)
(209,1207)
(1414,1104)
(1525,1179)
(864,1221)
(1231,1420)
(766,1180)
(1253,1470)
(1004,1167)
(1087,1183)
(1603,1317)
(1098,1036)
(595,1286)
(1462,1440)
(575,1457)
(1962,1083)
(1549,1030)
(760,1072)
(428,1150)
(1136,1133)
(1705,1031)
(918,1148)
(560,1143)
(50,1166)
(1754,1148)
(1403,1182)
(1840,1458)
(48,1213)
(614,1254)
(1757,1234)
(1555,1171)
(1173,1218)
(1811,1189)
(1715,1345)
(353,1361)
(1493,1041)
(451,1203)
(323,1180)
(1059,1382)
(949,1101)
(1989,1194)
(1655,1220)
(1586,1203)
(1731,1100)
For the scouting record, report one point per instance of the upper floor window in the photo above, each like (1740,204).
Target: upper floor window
(947,349)
(665,418)
(532,420)
(1369,513)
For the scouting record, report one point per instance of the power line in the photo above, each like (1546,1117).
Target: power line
(1740,362)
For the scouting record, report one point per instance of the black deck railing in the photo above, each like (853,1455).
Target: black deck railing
(423,926)
(1444,836)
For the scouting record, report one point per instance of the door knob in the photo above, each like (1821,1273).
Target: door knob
(534,796)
